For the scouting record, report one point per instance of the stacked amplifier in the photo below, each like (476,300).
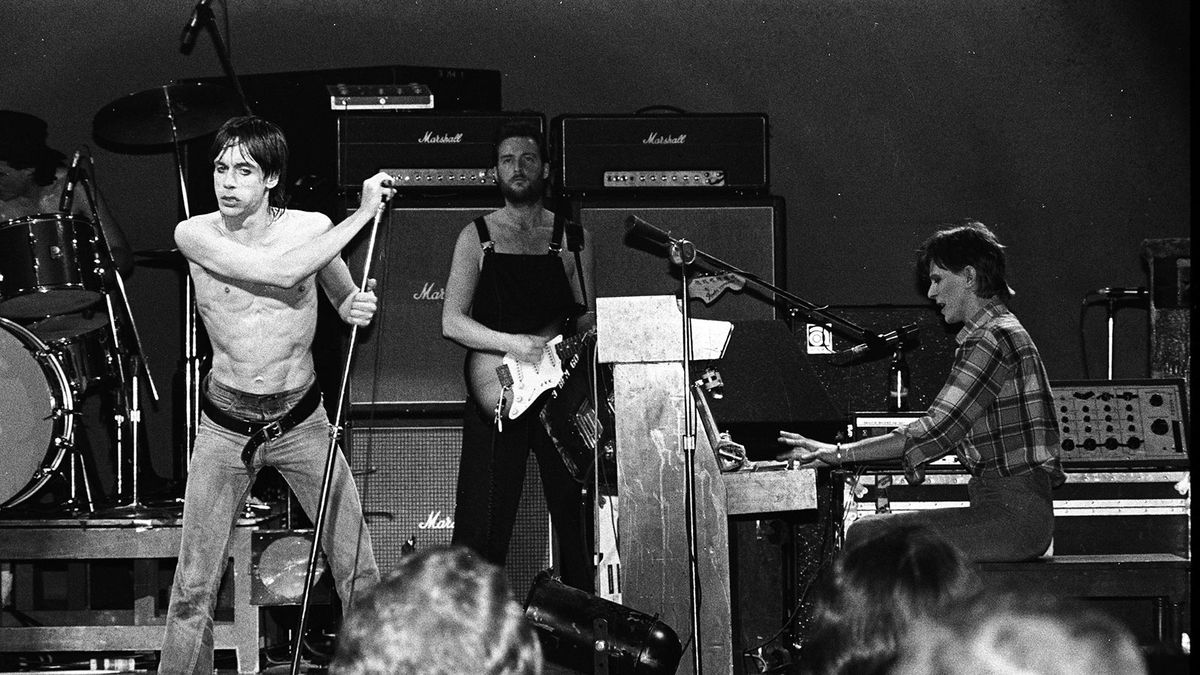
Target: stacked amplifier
(406,381)
(436,153)
(705,153)
(699,176)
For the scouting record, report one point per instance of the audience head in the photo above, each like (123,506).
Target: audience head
(874,589)
(441,611)
(1015,634)
(954,247)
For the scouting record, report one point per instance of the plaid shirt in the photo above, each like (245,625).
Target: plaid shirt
(995,411)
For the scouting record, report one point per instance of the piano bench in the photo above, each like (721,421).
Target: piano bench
(1163,577)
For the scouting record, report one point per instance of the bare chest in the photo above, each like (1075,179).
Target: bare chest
(216,293)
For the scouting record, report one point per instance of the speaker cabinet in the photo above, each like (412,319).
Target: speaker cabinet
(407,475)
(746,233)
(402,358)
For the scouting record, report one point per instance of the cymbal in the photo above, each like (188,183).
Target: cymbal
(191,109)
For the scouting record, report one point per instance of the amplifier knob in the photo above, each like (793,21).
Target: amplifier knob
(1160,426)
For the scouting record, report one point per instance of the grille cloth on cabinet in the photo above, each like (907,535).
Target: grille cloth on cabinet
(407,476)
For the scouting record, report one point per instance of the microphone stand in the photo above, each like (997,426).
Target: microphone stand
(222,53)
(683,253)
(326,483)
(798,305)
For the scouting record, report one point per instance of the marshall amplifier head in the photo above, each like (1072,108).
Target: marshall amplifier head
(425,152)
(723,153)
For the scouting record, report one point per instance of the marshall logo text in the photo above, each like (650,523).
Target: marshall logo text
(437,521)
(431,137)
(430,292)
(655,139)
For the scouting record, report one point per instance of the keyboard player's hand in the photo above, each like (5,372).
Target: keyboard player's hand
(808,452)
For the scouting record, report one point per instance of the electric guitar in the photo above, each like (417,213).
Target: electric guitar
(506,387)
(709,288)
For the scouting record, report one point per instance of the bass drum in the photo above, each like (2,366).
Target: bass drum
(36,425)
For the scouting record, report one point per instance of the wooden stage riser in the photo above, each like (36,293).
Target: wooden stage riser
(25,543)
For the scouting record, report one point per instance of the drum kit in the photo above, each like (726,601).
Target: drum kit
(66,332)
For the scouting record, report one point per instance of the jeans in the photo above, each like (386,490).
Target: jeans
(217,486)
(1010,518)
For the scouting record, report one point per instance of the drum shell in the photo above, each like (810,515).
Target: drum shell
(35,432)
(83,345)
(49,265)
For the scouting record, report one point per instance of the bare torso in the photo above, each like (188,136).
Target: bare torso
(261,335)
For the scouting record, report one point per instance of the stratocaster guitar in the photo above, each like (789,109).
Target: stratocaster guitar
(506,387)
(709,288)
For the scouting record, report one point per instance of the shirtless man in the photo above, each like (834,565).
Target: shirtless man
(256,266)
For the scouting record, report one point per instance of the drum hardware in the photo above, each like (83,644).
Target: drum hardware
(131,366)
(77,475)
(158,118)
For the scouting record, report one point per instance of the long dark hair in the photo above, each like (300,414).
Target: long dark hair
(264,142)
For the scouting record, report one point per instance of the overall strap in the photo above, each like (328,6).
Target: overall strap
(485,237)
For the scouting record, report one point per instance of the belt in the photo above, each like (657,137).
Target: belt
(261,432)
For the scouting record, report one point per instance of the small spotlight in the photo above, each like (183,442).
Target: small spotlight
(593,635)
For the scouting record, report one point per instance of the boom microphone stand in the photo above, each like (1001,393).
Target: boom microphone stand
(323,504)
(638,229)
(683,254)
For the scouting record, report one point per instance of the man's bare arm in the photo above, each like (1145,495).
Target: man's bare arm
(214,251)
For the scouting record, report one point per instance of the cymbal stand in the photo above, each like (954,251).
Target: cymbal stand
(191,360)
(130,402)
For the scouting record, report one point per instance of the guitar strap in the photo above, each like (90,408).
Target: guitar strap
(574,232)
(575,245)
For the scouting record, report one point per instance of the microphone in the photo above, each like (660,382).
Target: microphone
(200,14)
(1118,292)
(889,340)
(636,227)
(68,194)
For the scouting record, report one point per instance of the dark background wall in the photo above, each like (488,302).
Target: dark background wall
(1063,124)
